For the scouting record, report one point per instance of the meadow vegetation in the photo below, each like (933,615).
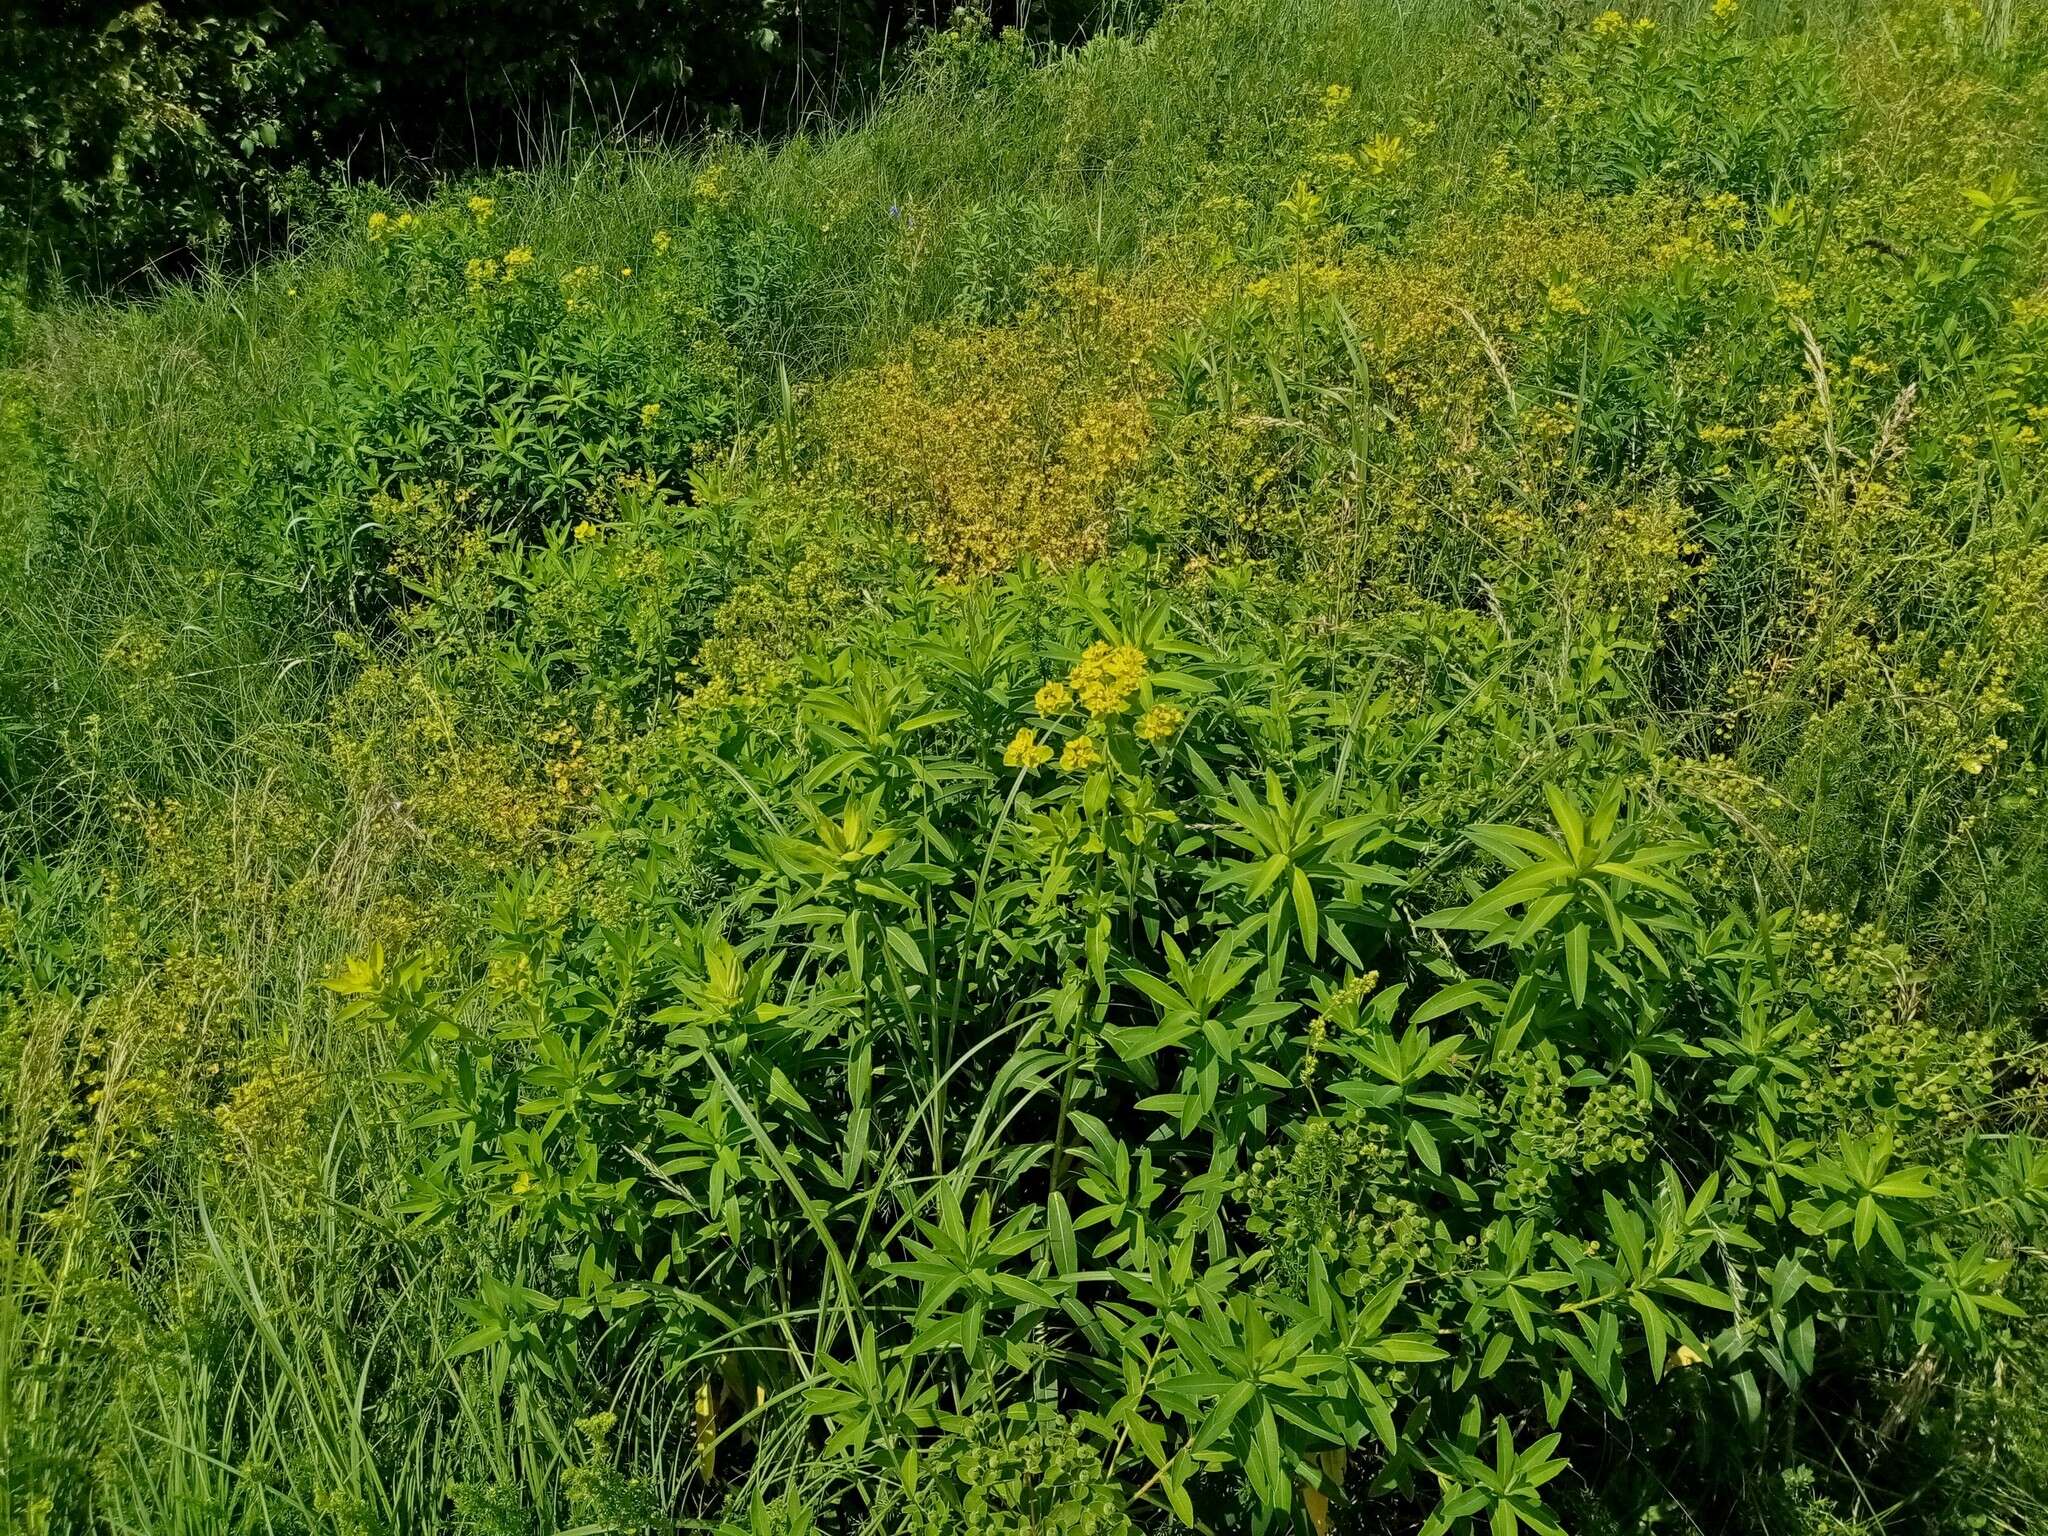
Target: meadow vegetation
(1286,774)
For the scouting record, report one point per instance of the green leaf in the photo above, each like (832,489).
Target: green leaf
(1406,1349)
(1020,1289)
(1305,911)
(905,948)
(1060,1232)
(1496,1354)
(470,1343)
(1176,1493)
(1568,819)
(1425,1146)
(1269,1479)
(1655,1333)
(1459,994)
(1698,1292)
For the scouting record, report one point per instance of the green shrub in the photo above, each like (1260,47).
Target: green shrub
(1711,109)
(487,389)
(1121,1038)
(136,133)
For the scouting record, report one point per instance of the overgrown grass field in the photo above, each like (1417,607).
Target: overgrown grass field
(1281,775)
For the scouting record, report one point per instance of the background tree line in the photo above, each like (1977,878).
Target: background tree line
(137,138)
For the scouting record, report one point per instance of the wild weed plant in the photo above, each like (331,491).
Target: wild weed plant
(1285,774)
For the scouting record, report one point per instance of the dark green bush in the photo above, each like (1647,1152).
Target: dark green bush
(489,392)
(152,133)
(128,134)
(1120,1052)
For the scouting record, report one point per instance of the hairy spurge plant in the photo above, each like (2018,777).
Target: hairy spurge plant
(1133,1096)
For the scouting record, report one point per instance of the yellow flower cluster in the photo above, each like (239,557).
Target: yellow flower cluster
(481,208)
(763,628)
(1341,1011)
(465,805)
(136,655)
(1026,750)
(263,1119)
(709,185)
(569,771)
(1103,681)
(1564,299)
(207,869)
(1639,557)
(1159,724)
(480,270)
(1106,676)
(1614,24)
(989,446)
(575,282)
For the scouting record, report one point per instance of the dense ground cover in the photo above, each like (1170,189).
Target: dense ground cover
(1282,775)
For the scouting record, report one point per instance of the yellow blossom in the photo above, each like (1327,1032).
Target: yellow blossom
(1052,698)
(1564,299)
(650,413)
(1026,751)
(1975,759)
(482,208)
(585,531)
(573,284)
(517,260)
(1106,676)
(380,224)
(661,242)
(709,185)
(1080,755)
(982,453)
(1159,723)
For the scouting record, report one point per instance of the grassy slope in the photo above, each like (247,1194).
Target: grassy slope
(183,1321)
